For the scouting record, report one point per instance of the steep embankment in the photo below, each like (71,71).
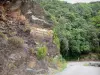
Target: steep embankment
(26,39)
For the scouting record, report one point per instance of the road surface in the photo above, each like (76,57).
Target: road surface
(80,68)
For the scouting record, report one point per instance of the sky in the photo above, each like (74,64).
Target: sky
(77,1)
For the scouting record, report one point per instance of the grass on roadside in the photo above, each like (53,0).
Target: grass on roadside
(60,62)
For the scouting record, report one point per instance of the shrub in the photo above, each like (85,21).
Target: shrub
(3,36)
(16,42)
(98,55)
(56,40)
(60,62)
(42,52)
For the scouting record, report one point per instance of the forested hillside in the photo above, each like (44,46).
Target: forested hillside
(76,25)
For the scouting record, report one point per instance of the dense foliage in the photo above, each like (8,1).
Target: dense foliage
(76,25)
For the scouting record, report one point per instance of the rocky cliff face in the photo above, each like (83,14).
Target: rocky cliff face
(24,29)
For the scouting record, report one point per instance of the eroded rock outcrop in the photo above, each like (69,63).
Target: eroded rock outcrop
(23,28)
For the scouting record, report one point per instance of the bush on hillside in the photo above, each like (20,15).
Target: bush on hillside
(16,42)
(56,40)
(3,36)
(41,52)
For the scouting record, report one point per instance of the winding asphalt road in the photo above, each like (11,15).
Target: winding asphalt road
(80,68)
